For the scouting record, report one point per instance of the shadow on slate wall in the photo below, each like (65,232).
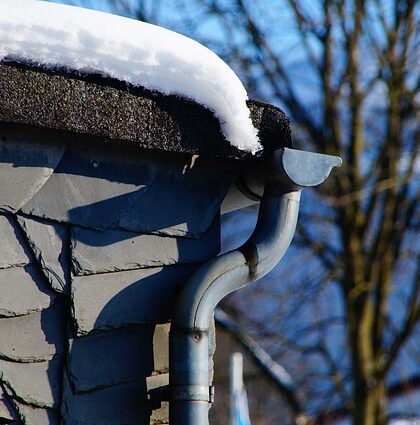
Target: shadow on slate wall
(30,358)
(120,313)
(108,366)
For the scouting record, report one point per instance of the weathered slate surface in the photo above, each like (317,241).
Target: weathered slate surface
(114,250)
(150,193)
(115,110)
(7,412)
(187,199)
(114,300)
(121,404)
(31,415)
(38,384)
(27,160)
(23,290)
(50,243)
(99,185)
(34,337)
(12,252)
(123,355)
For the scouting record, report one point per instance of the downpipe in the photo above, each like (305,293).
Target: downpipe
(190,392)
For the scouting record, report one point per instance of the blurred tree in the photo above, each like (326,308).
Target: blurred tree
(348,74)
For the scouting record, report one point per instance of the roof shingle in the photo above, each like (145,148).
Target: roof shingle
(117,111)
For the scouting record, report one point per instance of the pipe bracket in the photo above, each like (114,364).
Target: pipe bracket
(193,393)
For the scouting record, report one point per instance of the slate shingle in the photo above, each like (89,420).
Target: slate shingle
(31,415)
(121,404)
(12,251)
(27,159)
(50,243)
(106,188)
(23,290)
(7,413)
(33,337)
(113,357)
(38,384)
(114,300)
(114,250)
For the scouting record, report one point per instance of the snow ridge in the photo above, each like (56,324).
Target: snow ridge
(55,35)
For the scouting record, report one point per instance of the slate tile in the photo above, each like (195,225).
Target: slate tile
(116,250)
(100,183)
(34,337)
(156,381)
(7,412)
(109,358)
(50,243)
(12,252)
(27,160)
(187,201)
(121,404)
(23,290)
(113,300)
(31,415)
(38,384)
(120,189)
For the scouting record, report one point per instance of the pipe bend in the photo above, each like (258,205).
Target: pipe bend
(189,335)
(273,232)
(268,243)
(220,269)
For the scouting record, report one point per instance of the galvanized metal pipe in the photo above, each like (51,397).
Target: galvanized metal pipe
(189,342)
(189,384)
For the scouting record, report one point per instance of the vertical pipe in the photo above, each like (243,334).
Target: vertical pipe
(288,171)
(190,396)
(189,337)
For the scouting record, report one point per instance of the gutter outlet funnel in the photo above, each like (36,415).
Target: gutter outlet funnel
(278,182)
(299,169)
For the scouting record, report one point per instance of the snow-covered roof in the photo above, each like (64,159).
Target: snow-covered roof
(59,36)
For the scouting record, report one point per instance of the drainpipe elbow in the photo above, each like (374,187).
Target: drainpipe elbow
(273,232)
(285,173)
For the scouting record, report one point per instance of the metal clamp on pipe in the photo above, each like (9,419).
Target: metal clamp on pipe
(278,182)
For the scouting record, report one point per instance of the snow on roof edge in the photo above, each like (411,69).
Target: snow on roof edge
(142,54)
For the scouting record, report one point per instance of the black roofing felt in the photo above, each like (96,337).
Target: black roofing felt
(108,108)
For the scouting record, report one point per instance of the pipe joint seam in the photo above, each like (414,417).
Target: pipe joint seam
(250,251)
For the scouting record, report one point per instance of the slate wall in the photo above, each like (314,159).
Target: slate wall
(95,241)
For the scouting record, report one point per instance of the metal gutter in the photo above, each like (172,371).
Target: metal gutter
(285,173)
